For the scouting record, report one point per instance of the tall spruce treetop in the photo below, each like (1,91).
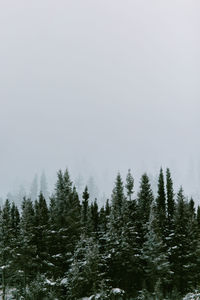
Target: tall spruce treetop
(85,207)
(41,211)
(63,192)
(145,198)
(181,252)
(170,196)
(198,216)
(161,203)
(129,184)
(117,207)
(118,195)
(63,185)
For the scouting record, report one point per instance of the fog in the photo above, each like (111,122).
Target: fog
(99,87)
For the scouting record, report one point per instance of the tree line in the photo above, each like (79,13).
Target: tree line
(140,246)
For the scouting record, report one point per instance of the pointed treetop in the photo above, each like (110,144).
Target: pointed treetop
(86,195)
(129,184)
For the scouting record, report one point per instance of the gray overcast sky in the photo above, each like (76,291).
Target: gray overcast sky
(99,86)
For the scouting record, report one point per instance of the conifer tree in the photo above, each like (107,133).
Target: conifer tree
(65,210)
(27,252)
(85,209)
(118,200)
(170,226)
(15,242)
(86,272)
(193,244)
(180,251)
(157,267)
(41,227)
(161,205)
(104,216)
(170,197)
(198,217)
(94,218)
(5,246)
(144,200)
(129,184)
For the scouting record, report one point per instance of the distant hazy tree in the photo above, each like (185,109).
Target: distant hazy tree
(44,186)
(79,181)
(92,188)
(20,195)
(34,189)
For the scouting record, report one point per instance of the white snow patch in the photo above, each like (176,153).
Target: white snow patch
(117,291)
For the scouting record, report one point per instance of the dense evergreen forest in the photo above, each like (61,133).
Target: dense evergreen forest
(140,246)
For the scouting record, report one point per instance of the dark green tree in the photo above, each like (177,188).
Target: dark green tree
(129,184)
(85,209)
(161,206)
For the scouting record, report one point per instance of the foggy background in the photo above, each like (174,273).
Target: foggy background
(99,87)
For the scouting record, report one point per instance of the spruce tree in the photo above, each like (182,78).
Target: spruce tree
(161,206)
(118,200)
(6,246)
(129,184)
(85,209)
(27,252)
(170,197)
(144,200)
(65,210)
(180,252)
(198,217)
(94,218)
(86,272)
(157,267)
(41,227)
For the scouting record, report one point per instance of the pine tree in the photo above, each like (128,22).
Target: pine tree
(130,264)
(161,205)
(180,252)
(154,255)
(193,243)
(118,199)
(41,227)
(15,242)
(65,211)
(129,184)
(144,200)
(170,197)
(198,217)
(85,209)
(94,218)
(170,226)
(27,262)
(86,272)
(5,246)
